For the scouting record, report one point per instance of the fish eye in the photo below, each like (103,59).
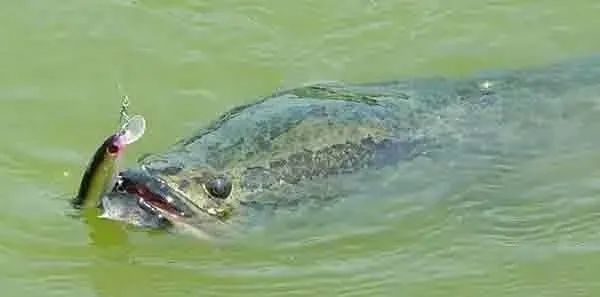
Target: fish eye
(112,148)
(219,187)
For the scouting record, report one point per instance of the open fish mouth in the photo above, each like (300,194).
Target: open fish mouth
(152,195)
(146,200)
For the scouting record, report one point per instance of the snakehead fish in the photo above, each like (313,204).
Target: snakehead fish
(313,144)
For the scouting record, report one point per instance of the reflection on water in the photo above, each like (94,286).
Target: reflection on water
(511,210)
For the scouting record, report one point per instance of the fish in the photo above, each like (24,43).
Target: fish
(315,144)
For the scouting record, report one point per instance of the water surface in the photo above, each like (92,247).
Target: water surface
(522,222)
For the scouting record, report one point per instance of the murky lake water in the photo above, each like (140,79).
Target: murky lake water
(522,222)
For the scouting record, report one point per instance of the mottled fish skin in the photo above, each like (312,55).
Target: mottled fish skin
(298,145)
(269,148)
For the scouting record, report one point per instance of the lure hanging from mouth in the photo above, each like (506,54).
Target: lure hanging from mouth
(101,173)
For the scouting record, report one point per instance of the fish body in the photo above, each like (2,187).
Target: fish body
(314,144)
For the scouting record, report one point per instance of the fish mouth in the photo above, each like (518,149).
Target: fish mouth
(157,200)
(152,195)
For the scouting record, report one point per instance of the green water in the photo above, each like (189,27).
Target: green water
(506,227)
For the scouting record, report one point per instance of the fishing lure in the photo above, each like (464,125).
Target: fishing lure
(101,173)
